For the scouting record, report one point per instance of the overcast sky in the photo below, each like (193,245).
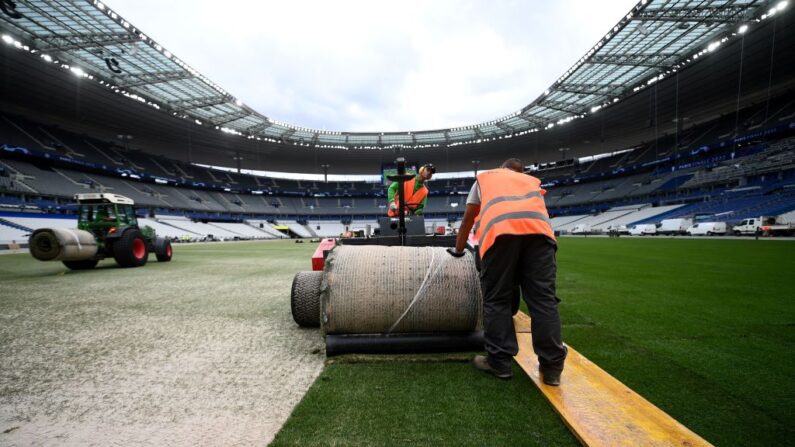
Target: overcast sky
(376,65)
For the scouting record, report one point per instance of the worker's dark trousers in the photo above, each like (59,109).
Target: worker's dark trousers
(530,261)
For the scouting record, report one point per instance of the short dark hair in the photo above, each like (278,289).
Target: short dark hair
(514,164)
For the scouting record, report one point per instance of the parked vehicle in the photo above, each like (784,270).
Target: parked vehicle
(765,225)
(707,229)
(643,230)
(674,226)
(581,229)
(617,229)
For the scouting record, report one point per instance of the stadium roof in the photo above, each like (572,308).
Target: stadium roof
(653,40)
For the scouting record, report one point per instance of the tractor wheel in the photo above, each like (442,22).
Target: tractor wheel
(85,264)
(164,252)
(305,298)
(130,250)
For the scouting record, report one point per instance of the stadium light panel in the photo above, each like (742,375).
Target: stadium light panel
(782,5)
(743,29)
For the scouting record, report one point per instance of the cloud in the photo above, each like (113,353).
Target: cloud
(378,66)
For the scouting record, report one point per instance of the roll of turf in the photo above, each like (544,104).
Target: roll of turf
(403,343)
(305,298)
(399,290)
(57,244)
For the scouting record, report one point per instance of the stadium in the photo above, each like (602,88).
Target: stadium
(667,156)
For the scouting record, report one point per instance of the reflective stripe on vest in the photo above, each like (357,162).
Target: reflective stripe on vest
(513,204)
(496,200)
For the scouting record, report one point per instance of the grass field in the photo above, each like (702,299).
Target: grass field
(704,329)
(202,350)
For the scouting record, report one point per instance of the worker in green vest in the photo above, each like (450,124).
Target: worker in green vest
(415,193)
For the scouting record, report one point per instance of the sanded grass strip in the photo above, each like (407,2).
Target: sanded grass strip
(198,351)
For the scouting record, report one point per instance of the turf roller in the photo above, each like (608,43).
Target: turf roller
(379,299)
(57,244)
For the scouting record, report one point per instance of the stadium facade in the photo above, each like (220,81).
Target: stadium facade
(688,108)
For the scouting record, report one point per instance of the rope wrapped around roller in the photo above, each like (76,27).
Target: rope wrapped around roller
(399,290)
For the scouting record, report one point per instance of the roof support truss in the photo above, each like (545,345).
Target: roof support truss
(228,118)
(561,106)
(659,60)
(711,14)
(82,41)
(128,81)
(197,103)
(532,120)
(504,127)
(589,89)
(285,136)
(257,128)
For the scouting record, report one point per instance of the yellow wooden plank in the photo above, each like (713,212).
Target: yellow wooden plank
(600,410)
(521,323)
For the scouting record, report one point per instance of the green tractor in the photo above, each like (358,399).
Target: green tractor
(106,227)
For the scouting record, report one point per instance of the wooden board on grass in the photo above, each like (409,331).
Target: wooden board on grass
(600,410)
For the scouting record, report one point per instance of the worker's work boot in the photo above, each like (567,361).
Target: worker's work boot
(481,362)
(550,377)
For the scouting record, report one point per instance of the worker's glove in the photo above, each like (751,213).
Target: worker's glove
(456,254)
(392,206)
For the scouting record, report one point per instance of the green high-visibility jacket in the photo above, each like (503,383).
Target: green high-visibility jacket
(393,191)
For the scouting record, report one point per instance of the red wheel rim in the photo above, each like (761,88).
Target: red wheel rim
(168,250)
(139,249)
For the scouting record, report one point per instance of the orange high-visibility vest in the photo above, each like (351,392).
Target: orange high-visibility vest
(412,198)
(510,203)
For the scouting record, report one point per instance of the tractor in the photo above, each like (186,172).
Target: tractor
(106,227)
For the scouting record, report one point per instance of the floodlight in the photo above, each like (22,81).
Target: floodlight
(782,5)
(743,29)
(8,39)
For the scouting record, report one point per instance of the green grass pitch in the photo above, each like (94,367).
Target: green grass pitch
(704,329)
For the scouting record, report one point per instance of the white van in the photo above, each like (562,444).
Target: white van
(643,230)
(581,229)
(707,228)
(675,226)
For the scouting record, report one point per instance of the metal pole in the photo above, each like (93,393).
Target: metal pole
(401,166)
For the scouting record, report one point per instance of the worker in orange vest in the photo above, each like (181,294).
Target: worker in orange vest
(415,193)
(516,245)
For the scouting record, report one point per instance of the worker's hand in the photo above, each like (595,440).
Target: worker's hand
(454,253)
(392,206)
